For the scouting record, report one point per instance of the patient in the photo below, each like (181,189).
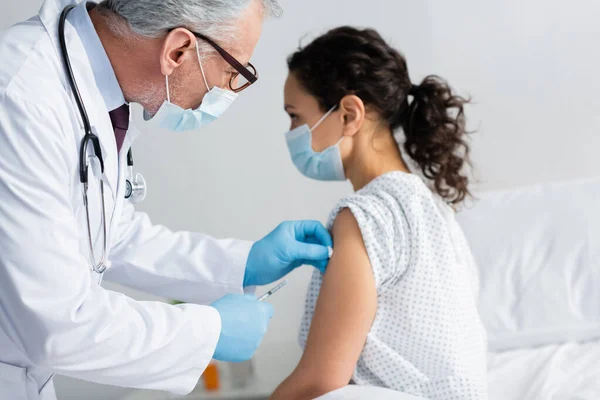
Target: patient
(396,307)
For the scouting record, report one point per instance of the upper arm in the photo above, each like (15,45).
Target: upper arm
(345,309)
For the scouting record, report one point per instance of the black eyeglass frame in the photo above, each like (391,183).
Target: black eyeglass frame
(250,76)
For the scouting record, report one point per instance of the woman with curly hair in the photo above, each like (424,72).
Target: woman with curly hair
(396,307)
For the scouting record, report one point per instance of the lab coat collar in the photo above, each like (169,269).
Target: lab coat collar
(104,74)
(49,14)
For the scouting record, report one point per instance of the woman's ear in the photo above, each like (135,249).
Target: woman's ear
(177,43)
(353,113)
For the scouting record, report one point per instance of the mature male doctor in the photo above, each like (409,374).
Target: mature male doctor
(181,60)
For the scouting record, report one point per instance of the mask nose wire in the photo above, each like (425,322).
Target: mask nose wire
(201,67)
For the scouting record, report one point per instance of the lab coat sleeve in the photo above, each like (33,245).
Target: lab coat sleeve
(50,308)
(184,266)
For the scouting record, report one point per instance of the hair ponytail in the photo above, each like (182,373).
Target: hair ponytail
(435,131)
(350,61)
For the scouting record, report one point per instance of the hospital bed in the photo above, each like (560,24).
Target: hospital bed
(538,253)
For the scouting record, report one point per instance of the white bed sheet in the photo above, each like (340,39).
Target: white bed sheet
(569,371)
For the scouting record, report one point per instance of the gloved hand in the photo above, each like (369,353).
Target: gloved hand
(244,322)
(289,246)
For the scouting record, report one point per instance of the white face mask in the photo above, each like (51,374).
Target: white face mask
(174,118)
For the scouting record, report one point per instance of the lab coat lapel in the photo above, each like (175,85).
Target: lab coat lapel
(90,94)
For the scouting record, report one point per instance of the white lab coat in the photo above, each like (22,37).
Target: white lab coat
(54,317)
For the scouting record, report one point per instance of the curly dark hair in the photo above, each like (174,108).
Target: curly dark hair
(348,61)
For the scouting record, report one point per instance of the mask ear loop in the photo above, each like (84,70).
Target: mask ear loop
(201,67)
(168,94)
(327,114)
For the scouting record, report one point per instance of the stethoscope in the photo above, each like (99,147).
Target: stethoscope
(135,189)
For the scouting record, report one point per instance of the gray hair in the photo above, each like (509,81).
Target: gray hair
(214,18)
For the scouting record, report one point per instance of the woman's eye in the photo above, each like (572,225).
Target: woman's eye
(293,117)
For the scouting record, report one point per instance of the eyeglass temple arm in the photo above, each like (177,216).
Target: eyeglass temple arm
(229,58)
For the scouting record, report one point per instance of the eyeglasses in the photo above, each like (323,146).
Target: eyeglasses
(245,75)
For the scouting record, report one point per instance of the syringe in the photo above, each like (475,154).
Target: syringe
(273,291)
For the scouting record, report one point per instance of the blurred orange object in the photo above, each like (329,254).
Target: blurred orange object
(211,377)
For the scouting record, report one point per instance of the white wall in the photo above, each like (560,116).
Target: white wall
(532,67)
(529,65)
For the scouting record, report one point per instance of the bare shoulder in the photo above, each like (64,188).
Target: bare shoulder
(345,229)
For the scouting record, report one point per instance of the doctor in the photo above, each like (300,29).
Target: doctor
(171,57)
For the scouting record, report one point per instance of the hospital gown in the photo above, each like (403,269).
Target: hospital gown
(427,338)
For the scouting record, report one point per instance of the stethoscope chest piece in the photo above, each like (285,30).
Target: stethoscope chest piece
(135,185)
(135,188)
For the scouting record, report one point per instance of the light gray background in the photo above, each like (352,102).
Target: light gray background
(531,67)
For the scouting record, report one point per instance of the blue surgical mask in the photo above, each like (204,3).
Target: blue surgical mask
(174,118)
(323,166)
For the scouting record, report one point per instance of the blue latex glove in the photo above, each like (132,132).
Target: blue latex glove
(289,246)
(244,322)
